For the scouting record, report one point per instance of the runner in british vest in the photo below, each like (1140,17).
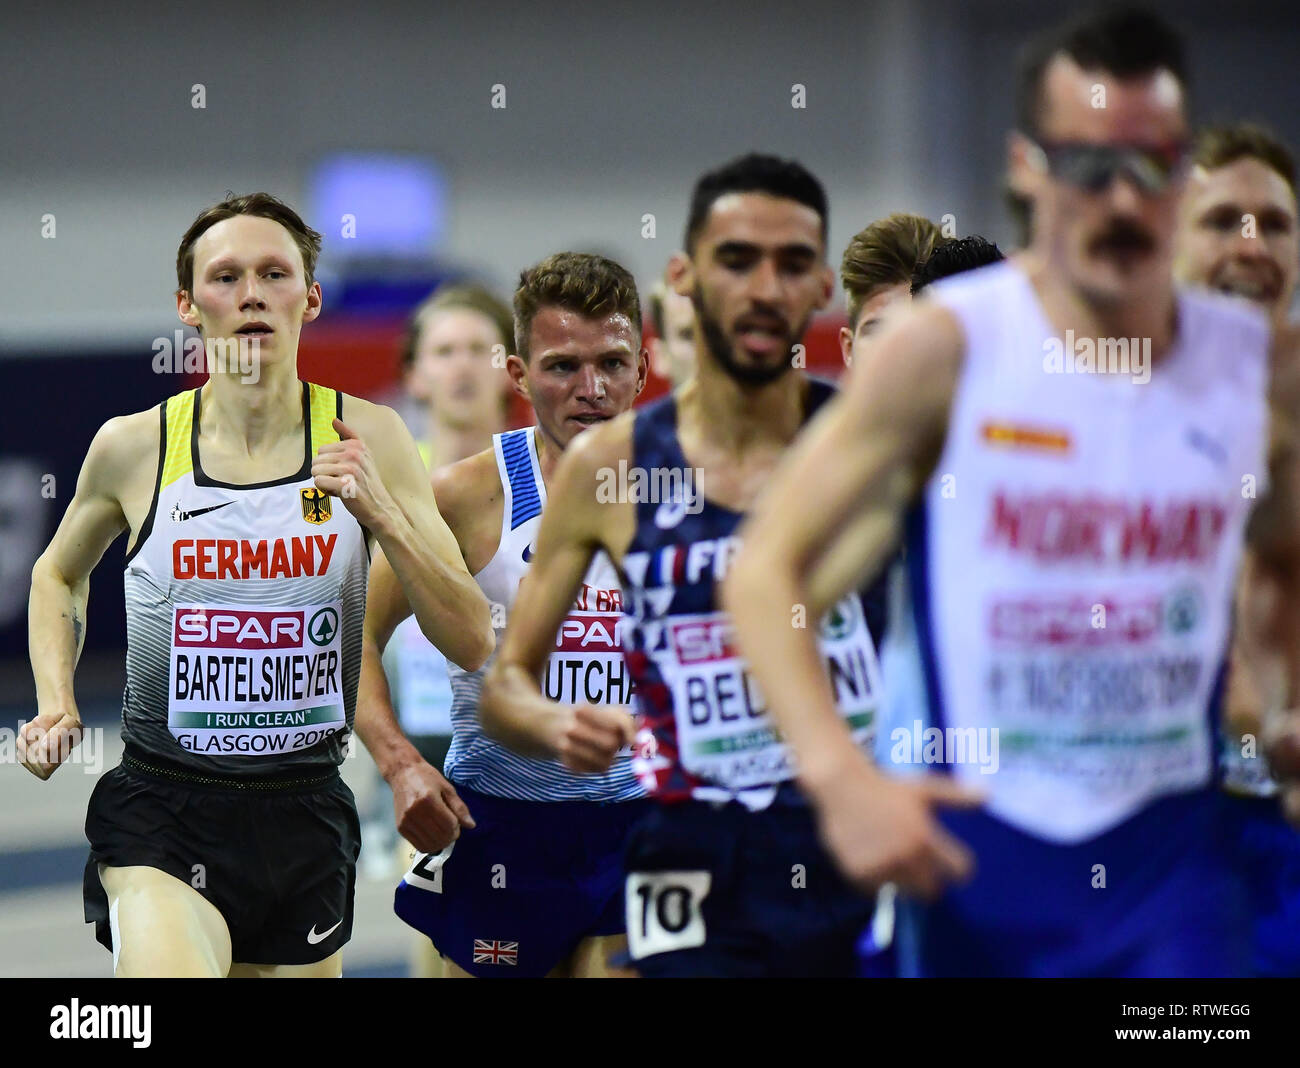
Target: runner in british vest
(225,843)
(725,876)
(531,886)
(1075,525)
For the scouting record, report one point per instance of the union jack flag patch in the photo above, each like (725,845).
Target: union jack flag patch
(492,951)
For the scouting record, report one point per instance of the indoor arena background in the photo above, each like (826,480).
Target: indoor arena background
(464,140)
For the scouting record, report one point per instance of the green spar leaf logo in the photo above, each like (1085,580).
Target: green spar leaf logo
(323,626)
(1182,611)
(837,624)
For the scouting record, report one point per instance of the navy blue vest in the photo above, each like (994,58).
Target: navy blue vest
(681,546)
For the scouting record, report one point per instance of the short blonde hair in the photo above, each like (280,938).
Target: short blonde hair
(886,253)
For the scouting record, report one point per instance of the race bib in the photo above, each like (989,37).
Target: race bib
(663,911)
(724,732)
(254,681)
(587,663)
(1107,693)
(426,870)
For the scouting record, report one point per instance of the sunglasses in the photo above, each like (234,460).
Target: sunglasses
(1093,167)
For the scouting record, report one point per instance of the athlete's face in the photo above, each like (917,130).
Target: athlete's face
(1237,233)
(453,371)
(250,287)
(673,355)
(757,275)
(580,371)
(1113,245)
(875,310)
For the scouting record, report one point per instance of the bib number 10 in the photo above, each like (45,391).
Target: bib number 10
(663,911)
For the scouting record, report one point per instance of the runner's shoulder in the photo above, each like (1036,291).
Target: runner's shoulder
(466,489)
(124,447)
(385,435)
(368,419)
(936,331)
(912,366)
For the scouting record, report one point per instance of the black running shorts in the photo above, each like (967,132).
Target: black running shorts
(277,857)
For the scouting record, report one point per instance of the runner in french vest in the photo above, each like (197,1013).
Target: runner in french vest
(732,835)
(704,734)
(726,875)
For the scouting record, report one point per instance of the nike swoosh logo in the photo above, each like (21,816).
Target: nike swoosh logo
(1206,445)
(179,517)
(313,937)
(670,514)
(528,553)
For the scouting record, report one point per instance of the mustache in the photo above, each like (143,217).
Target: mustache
(1123,235)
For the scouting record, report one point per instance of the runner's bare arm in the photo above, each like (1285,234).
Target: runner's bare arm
(828,518)
(428,811)
(1273,537)
(574,528)
(1257,671)
(376,471)
(376,723)
(1264,625)
(61,580)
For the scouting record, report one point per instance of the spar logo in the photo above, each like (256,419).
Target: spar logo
(1076,620)
(590,633)
(700,641)
(323,626)
(237,628)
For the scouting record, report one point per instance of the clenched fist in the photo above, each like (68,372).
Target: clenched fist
(345,469)
(45,742)
(592,737)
